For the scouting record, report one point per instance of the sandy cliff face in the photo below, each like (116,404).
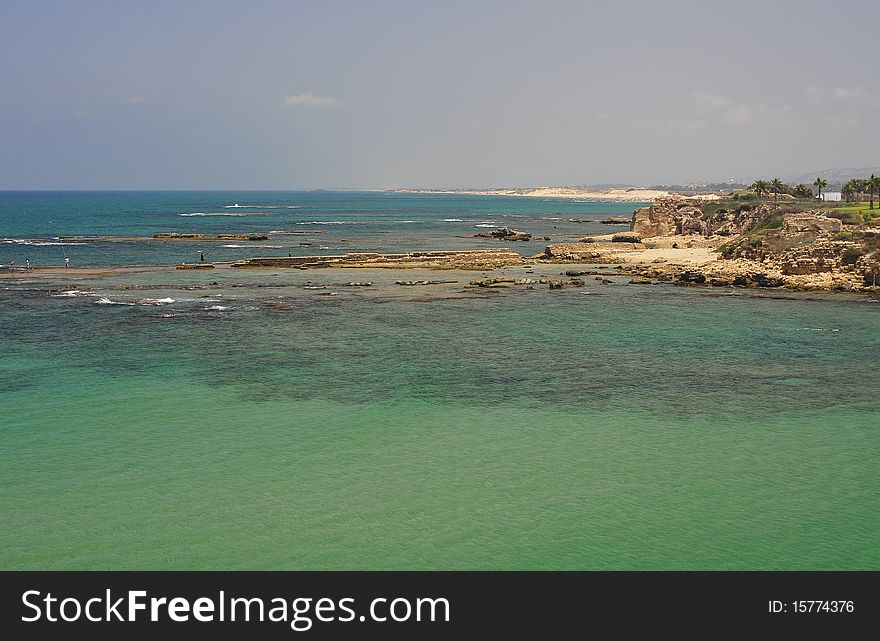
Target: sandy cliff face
(684,216)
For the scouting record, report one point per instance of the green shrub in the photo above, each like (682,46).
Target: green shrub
(772,220)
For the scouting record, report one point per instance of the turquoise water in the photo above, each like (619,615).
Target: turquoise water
(301,223)
(608,427)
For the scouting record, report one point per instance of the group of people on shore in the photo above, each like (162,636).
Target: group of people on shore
(27,264)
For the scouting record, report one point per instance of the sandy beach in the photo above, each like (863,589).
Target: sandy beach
(633,195)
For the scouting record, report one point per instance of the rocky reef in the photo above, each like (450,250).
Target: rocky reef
(467,259)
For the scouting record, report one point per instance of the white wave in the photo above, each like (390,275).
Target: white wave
(107,301)
(485,225)
(219,213)
(452,220)
(330,222)
(247,246)
(35,243)
(237,206)
(216,308)
(72,293)
(156,301)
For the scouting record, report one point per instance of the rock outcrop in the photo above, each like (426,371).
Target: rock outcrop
(467,259)
(506,233)
(668,217)
(684,217)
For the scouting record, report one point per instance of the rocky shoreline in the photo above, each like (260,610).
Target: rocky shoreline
(679,240)
(682,241)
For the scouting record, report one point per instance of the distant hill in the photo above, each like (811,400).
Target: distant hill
(835,177)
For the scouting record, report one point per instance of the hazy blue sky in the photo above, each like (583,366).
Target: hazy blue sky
(330,94)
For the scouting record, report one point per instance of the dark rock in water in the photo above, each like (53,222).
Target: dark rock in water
(556,284)
(355,284)
(546,237)
(640,280)
(506,233)
(763,280)
(417,282)
(577,282)
(616,221)
(691,278)
(576,272)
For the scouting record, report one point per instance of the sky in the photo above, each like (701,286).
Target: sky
(348,95)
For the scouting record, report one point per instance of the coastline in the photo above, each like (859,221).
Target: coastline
(560,266)
(631,195)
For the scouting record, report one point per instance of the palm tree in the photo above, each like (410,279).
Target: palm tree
(777,186)
(761,188)
(872,184)
(802,191)
(819,184)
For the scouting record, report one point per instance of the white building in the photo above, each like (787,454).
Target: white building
(832,196)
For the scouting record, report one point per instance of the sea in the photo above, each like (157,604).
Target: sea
(283,419)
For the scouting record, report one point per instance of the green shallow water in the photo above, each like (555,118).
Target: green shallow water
(636,428)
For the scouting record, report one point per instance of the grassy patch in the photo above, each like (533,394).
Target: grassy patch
(772,220)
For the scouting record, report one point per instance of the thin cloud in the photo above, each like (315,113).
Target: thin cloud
(848,93)
(308,99)
(688,125)
(730,112)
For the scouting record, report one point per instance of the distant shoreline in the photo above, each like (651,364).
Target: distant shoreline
(631,195)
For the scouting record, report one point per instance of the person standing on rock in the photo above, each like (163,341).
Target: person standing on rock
(66,262)
(201,256)
(27,264)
